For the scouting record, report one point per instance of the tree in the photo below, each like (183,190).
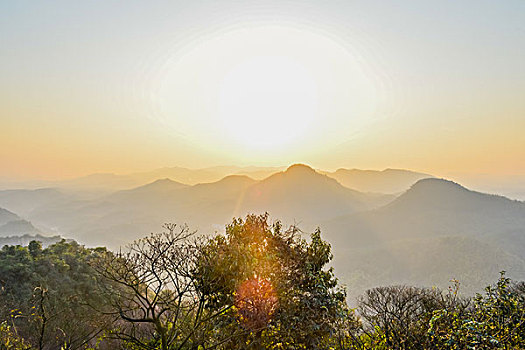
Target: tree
(42,289)
(158,302)
(282,294)
(496,320)
(397,317)
(35,249)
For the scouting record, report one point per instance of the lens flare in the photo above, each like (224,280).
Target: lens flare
(256,302)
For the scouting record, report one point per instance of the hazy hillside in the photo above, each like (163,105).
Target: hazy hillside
(298,194)
(12,224)
(18,227)
(436,231)
(434,207)
(24,201)
(385,181)
(25,239)
(108,182)
(305,195)
(6,216)
(151,191)
(205,175)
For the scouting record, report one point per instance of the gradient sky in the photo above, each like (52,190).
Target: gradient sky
(122,86)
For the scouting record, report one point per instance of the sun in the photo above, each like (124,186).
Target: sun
(267,101)
(263,90)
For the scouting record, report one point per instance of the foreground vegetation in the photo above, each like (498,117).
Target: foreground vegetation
(258,286)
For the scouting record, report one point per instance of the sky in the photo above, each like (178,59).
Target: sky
(124,86)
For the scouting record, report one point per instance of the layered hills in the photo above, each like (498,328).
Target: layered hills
(421,230)
(434,232)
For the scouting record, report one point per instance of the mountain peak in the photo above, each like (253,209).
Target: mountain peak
(299,168)
(236,178)
(6,216)
(17,227)
(160,185)
(433,194)
(389,180)
(435,183)
(163,181)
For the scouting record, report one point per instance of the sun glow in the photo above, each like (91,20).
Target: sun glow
(263,93)
(266,89)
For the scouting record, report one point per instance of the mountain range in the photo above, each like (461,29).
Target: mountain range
(11,223)
(298,194)
(434,232)
(391,226)
(393,181)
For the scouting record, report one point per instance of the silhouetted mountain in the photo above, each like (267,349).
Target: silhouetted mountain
(435,231)
(439,194)
(439,207)
(108,182)
(12,224)
(6,216)
(151,191)
(385,181)
(259,173)
(425,222)
(204,175)
(297,194)
(24,202)
(300,193)
(161,185)
(179,174)
(18,227)
(227,185)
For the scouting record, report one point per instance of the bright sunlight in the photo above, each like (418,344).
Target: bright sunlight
(266,88)
(264,92)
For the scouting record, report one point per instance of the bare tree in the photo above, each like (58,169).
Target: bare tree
(399,315)
(157,299)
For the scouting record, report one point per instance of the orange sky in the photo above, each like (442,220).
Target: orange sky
(358,85)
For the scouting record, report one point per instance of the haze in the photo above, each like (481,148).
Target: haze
(124,87)
(314,174)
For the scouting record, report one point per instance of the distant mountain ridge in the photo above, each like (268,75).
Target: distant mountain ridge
(431,232)
(23,201)
(18,227)
(302,193)
(389,181)
(151,190)
(6,216)
(100,182)
(434,207)
(425,223)
(297,194)
(12,224)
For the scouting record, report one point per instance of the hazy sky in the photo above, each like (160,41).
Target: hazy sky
(121,86)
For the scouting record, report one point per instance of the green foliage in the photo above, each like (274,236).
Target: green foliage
(258,286)
(308,302)
(496,321)
(402,317)
(42,289)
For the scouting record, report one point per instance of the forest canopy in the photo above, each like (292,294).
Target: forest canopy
(258,285)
